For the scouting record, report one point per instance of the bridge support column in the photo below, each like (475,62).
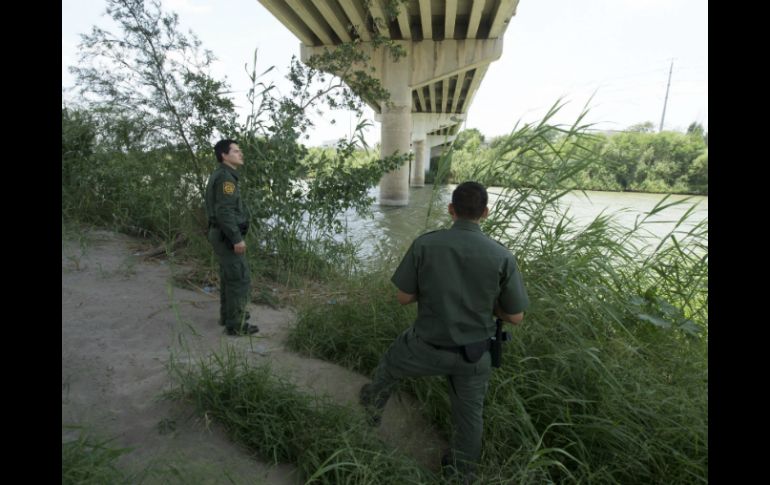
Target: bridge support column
(421,156)
(396,129)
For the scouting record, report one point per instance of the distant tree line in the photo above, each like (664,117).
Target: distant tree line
(634,160)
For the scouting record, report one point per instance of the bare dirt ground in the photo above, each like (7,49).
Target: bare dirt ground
(121,319)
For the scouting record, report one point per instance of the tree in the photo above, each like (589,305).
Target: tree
(78,141)
(697,130)
(273,133)
(646,127)
(698,173)
(155,81)
(470,139)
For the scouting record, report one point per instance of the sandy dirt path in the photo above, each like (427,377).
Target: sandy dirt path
(121,318)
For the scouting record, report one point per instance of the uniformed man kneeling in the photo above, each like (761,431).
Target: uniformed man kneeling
(459,278)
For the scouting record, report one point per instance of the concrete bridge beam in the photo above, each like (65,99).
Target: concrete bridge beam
(429,61)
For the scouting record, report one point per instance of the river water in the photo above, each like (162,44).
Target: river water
(395,227)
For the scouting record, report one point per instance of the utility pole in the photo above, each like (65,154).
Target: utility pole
(663,116)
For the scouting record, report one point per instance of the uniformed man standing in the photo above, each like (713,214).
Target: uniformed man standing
(459,278)
(228,224)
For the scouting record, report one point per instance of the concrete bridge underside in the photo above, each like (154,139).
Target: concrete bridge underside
(449,45)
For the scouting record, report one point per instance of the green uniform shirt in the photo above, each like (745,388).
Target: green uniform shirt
(224,207)
(457,275)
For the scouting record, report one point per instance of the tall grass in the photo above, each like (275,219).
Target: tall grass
(329,443)
(90,460)
(606,379)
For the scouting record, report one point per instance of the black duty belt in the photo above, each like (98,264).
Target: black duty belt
(458,349)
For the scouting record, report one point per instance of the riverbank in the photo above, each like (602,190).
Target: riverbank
(122,317)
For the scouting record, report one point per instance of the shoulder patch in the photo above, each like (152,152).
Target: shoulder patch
(228,188)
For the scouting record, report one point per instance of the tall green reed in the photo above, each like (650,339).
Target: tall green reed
(606,380)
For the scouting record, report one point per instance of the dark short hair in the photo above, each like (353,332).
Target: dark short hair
(223,146)
(469,200)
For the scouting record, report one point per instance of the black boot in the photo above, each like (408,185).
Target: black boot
(247,329)
(373,412)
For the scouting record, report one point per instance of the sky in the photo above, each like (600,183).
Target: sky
(612,55)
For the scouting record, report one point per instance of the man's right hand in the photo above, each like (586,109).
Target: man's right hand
(514,319)
(240,248)
(405,298)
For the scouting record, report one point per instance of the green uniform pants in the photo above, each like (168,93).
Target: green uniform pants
(234,281)
(409,356)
